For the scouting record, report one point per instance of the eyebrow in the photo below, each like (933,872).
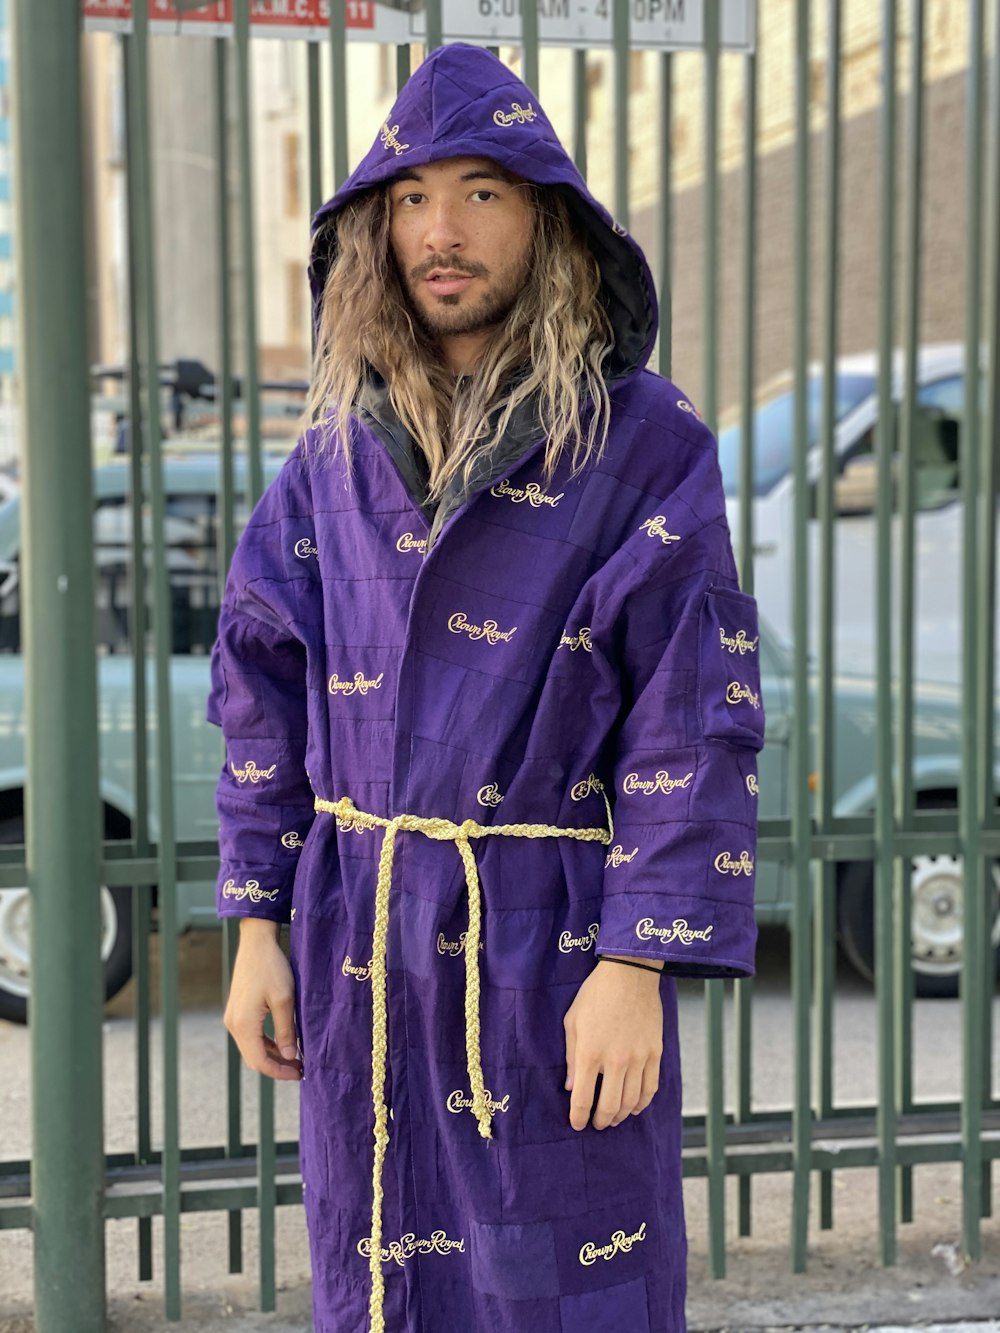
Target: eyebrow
(476,174)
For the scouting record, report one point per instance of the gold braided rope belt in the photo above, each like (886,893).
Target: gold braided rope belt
(446,830)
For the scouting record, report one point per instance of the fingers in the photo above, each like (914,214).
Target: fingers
(582,1098)
(650,1082)
(631,1093)
(612,1082)
(283,1014)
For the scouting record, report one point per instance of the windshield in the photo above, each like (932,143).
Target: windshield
(774,422)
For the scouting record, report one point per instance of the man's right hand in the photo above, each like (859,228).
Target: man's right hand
(262,983)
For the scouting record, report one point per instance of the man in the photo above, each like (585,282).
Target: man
(491,703)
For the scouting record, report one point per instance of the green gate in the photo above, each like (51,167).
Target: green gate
(74,1186)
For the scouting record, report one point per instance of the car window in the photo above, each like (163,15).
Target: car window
(936,428)
(774,428)
(191,531)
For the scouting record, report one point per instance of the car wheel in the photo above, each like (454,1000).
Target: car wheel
(15,938)
(937,920)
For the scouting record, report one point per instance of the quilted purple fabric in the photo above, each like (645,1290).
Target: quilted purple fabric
(545,647)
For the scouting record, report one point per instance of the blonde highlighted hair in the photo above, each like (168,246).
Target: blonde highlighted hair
(552,346)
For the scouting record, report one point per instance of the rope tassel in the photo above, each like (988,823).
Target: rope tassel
(445,830)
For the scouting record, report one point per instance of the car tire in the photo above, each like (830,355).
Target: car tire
(936,893)
(15,956)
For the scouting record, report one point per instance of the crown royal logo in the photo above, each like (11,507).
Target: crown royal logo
(533,493)
(251,889)
(457,1101)
(618,856)
(458,624)
(408,1245)
(736,691)
(291,841)
(662,782)
(738,643)
(407,542)
(251,773)
(725,864)
(620,1243)
(655,527)
(574,641)
(304,548)
(452,948)
(517,115)
(388,134)
(679,931)
(584,788)
(489,795)
(357,971)
(752,787)
(568,942)
(359,685)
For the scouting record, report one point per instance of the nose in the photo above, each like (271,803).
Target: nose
(443,232)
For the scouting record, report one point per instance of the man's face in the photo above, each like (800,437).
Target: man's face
(461,233)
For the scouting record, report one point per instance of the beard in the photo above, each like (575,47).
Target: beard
(456,314)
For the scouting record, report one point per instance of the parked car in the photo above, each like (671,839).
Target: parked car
(939,510)
(192,489)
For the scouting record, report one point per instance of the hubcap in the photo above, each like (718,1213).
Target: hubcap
(15,937)
(937,891)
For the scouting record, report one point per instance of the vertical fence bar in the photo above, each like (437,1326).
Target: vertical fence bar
(226,537)
(63,810)
(314,150)
(907,588)
(620,32)
(402,65)
(799,803)
(163,753)
(435,35)
(580,98)
(266,1195)
(886,981)
(825,871)
(666,213)
(973,972)
(743,989)
(338,88)
(986,582)
(715,1116)
(138,621)
(244,137)
(529,42)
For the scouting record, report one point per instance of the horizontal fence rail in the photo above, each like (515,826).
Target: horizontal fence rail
(623,61)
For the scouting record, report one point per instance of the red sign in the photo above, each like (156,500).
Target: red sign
(107,9)
(365,20)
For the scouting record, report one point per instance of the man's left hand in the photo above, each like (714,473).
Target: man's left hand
(614,1028)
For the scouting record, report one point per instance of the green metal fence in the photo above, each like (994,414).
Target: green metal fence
(73,1186)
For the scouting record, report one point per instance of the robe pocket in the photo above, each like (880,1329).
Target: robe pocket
(730,706)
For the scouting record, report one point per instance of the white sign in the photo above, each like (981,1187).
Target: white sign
(656,25)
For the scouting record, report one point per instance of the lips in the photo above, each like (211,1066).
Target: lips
(448,284)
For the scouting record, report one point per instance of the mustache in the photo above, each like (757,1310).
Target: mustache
(450,265)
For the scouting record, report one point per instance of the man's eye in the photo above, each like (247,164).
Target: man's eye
(482,195)
(411,198)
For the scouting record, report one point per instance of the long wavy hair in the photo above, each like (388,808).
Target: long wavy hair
(553,345)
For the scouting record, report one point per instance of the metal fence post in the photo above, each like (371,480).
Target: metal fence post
(63,808)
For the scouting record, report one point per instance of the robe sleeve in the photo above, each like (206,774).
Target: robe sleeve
(258,697)
(679,875)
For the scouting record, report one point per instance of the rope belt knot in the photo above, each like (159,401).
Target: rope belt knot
(445,830)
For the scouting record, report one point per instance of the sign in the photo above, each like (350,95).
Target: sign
(656,25)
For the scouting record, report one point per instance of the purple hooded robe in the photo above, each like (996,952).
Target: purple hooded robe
(529,655)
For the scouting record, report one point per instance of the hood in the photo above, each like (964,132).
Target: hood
(464,102)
